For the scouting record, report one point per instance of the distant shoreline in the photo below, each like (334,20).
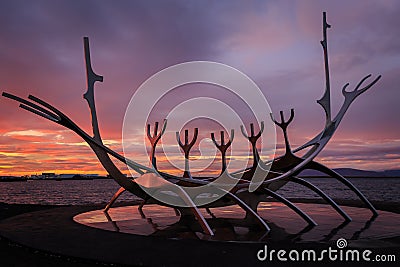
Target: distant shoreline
(21,179)
(363,177)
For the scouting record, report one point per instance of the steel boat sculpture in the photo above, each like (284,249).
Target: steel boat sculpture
(252,185)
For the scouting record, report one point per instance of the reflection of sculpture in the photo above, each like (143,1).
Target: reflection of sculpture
(283,169)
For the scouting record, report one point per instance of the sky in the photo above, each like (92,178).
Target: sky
(275,43)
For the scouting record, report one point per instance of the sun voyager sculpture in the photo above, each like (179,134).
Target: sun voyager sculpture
(245,188)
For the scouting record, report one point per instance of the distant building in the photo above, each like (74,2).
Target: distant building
(9,178)
(49,175)
(64,176)
(67,176)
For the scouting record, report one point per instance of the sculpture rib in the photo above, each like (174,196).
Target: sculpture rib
(291,205)
(319,167)
(324,196)
(114,198)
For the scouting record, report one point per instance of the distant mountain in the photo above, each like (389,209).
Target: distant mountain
(392,173)
(349,172)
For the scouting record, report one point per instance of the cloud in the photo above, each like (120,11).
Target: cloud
(25,133)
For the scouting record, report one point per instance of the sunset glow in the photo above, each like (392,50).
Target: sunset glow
(274,43)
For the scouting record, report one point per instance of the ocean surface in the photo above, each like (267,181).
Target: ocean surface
(78,192)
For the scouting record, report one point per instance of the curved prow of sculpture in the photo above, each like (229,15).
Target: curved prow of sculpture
(105,160)
(47,111)
(223,147)
(186,147)
(325,100)
(326,134)
(153,139)
(331,125)
(92,78)
(101,151)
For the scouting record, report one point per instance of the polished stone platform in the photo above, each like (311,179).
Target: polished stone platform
(229,225)
(160,238)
